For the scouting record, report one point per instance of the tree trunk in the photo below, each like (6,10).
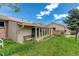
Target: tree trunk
(76,35)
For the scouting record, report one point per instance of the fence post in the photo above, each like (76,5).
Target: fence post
(1,42)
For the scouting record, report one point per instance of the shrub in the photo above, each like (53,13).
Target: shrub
(11,47)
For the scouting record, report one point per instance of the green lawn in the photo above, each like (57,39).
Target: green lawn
(51,46)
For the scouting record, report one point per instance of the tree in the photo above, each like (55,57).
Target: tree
(13,6)
(72,21)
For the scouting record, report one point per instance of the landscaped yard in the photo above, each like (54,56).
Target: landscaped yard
(52,46)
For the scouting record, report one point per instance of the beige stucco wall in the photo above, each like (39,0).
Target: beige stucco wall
(12,28)
(3,30)
(23,32)
(67,31)
(2,33)
(58,27)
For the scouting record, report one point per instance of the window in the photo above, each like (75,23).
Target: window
(1,24)
(54,28)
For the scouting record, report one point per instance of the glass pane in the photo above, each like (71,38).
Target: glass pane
(1,24)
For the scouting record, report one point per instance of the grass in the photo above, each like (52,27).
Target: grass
(11,47)
(53,46)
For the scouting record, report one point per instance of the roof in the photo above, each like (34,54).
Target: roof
(33,24)
(21,21)
(57,23)
(6,18)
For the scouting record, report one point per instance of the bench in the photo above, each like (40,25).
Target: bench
(1,43)
(27,37)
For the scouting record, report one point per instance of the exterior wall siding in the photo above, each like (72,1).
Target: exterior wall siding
(24,32)
(60,29)
(3,30)
(2,33)
(12,28)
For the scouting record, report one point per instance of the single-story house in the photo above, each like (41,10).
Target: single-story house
(59,28)
(19,30)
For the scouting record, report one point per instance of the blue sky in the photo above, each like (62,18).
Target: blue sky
(41,12)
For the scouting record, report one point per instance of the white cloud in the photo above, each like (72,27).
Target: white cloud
(77,7)
(44,13)
(56,16)
(49,8)
(47,12)
(39,17)
(52,6)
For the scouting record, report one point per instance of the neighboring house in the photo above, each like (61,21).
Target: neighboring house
(19,30)
(59,28)
(67,31)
